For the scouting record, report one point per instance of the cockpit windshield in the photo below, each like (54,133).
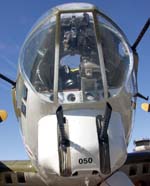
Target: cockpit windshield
(79,68)
(79,71)
(38,57)
(115,53)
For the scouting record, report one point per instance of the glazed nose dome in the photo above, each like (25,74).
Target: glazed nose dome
(75,47)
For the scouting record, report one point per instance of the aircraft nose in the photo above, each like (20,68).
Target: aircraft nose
(48,156)
(75,146)
(81,151)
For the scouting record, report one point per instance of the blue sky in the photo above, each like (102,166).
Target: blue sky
(17,18)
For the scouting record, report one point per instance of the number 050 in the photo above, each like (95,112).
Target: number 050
(85,160)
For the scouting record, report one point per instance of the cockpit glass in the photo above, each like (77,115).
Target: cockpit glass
(92,59)
(79,68)
(38,57)
(115,54)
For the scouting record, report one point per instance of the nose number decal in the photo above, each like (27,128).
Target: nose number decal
(85,160)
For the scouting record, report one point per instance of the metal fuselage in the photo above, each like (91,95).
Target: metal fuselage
(81,156)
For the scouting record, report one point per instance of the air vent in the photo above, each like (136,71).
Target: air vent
(25,93)
(75,174)
(23,109)
(8,179)
(145,168)
(95,172)
(21,177)
(133,171)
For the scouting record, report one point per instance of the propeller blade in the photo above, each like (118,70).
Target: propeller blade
(3,115)
(145,107)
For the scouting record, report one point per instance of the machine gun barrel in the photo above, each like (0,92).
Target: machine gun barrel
(8,80)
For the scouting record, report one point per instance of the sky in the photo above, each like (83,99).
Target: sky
(16,19)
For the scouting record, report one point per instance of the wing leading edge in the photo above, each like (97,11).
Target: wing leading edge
(19,173)
(22,173)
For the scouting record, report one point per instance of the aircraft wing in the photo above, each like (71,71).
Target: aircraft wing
(137,167)
(20,173)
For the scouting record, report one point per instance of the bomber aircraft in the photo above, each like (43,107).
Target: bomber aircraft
(74,97)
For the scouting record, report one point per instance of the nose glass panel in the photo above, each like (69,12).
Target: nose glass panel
(79,68)
(38,57)
(82,54)
(116,54)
